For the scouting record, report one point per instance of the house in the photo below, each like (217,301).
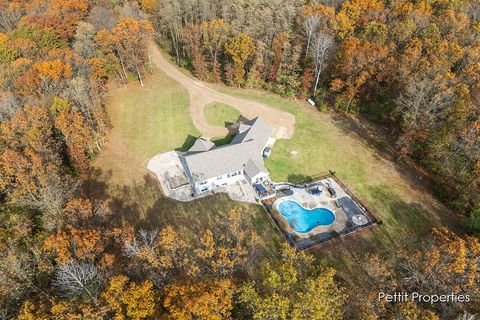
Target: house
(209,167)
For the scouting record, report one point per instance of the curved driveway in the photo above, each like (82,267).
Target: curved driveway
(200,95)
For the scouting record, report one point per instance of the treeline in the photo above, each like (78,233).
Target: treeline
(56,57)
(67,257)
(55,60)
(410,64)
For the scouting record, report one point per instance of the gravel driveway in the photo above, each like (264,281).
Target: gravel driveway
(200,95)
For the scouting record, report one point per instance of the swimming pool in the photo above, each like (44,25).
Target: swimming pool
(304,220)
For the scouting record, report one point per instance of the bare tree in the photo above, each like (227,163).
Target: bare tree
(322,45)
(309,27)
(9,105)
(77,279)
(131,247)
(51,197)
(423,105)
(84,44)
(9,19)
(147,237)
(467,316)
(102,18)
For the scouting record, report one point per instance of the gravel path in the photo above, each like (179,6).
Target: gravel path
(200,95)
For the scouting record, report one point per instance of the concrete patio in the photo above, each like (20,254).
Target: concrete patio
(175,185)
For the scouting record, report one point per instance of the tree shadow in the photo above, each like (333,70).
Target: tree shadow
(403,223)
(94,184)
(382,142)
(143,205)
(299,178)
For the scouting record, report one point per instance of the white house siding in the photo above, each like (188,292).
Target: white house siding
(217,182)
(261,176)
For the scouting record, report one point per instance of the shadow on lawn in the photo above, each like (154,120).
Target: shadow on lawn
(143,205)
(403,224)
(382,142)
(189,141)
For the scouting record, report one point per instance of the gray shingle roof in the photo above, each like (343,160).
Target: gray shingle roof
(254,167)
(245,147)
(201,144)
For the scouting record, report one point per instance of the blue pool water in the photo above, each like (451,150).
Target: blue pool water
(304,220)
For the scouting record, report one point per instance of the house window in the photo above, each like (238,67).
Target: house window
(203,182)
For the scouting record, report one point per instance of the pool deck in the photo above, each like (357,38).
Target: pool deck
(350,213)
(311,201)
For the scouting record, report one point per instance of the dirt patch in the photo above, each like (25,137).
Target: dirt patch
(200,95)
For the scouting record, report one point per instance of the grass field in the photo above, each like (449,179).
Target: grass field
(147,121)
(155,119)
(362,157)
(220,114)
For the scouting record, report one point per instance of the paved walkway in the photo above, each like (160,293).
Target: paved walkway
(200,95)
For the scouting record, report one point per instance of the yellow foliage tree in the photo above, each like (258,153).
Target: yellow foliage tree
(240,48)
(212,300)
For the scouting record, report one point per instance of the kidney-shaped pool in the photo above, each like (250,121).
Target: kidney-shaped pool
(304,220)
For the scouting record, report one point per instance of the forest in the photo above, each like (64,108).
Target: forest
(412,66)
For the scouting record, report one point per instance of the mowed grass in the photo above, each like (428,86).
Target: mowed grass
(220,114)
(147,121)
(362,157)
(155,119)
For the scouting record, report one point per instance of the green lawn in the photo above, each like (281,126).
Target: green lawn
(220,114)
(155,119)
(147,121)
(364,160)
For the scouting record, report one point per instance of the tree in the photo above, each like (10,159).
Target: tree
(443,263)
(75,244)
(192,35)
(29,164)
(228,248)
(77,279)
(293,290)
(239,48)
(359,65)
(163,257)
(321,49)
(310,26)
(279,46)
(204,300)
(131,40)
(84,44)
(214,34)
(76,132)
(137,301)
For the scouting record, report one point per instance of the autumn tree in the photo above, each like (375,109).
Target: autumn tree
(204,300)
(129,300)
(192,35)
(29,163)
(239,48)
(359,65)
(74,243)
(214,35)
(293,289)
(131,41)
(77,134)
